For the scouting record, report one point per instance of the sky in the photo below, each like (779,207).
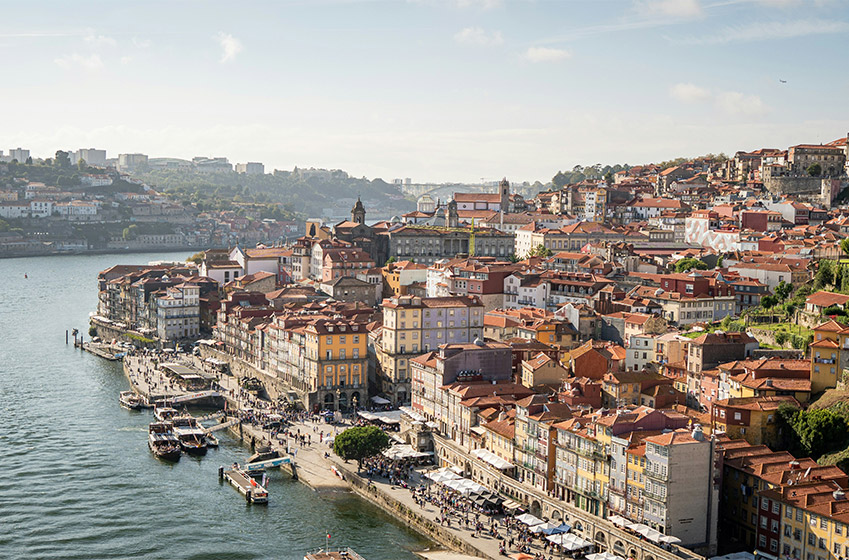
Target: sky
(433,90)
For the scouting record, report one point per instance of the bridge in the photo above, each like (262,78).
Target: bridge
(445,192)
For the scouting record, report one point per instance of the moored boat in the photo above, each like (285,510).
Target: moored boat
(191,435)
(130,400)
(211,440)
(162,441)
(165,413)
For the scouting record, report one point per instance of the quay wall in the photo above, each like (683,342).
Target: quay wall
(107,331)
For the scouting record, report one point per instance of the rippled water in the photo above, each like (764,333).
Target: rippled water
(77,480)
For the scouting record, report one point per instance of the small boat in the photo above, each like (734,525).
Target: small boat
(211,440)
(164,413)
(162,441)
(130,400)
(191,435)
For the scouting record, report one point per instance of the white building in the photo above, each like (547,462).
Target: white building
(18,154)
(14,209)
(680,497)
(250,168)
(90,155)
(521,290)
(178,312)
(640,352)
(40,208)
(127,163)
(76,209)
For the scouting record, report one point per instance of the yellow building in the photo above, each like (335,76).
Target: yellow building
(635,471)
(336,359)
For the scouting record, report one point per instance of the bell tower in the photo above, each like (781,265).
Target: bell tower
(504,190)
(358,212)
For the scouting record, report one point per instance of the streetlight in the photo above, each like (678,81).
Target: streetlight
(338,394)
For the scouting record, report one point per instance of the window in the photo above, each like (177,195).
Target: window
(812,540)
(763,522)
(765,504)
(821,543)
(330,340)
(799,515)
(774,526)
(775,507)
(823,523)
(762,541)
(356,339)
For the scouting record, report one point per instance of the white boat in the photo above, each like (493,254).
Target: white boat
(191,435)
(130,400)
(165,413)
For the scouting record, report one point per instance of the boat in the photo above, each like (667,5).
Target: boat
(211,440)
(242,481)
(263,453)
(191,435)
(162,441)
(165,413)
(130,400)
(333,553)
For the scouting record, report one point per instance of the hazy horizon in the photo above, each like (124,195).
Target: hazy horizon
(434,90)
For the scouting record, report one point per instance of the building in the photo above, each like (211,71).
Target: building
(415,325)
(336,360)
(91,156)
(751,418)
(543,370)
(177,311)
(250,168)
(128,163)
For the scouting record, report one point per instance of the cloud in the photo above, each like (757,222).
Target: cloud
(736,103)
(684,9)
(689,93)
(126,60)
(767,31)
(141,43)
(91,62)
(230,47)
(97,41)
(729,102)
(546,54)
(477,36)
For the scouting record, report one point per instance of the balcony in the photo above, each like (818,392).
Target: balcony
(653,495)
(656,475)
(824,361)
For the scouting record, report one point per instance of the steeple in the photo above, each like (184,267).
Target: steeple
(452,219)
(358,212)
(504,190)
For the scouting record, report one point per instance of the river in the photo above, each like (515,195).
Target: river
(77,480)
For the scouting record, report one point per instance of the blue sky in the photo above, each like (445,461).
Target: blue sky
(434,90)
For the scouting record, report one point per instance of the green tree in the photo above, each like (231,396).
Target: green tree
(768,302)
(63,159)
(825,275)
(197,258)
(783,290)
(844,246)
(82,166)
(814,169)
(686,265)
(540,251)
(29,160)
(360,443)
(812,433)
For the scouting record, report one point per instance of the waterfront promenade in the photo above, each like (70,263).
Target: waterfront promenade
(314,462)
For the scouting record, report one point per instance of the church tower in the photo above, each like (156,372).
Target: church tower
(358,212)
(504,189)
(452,219)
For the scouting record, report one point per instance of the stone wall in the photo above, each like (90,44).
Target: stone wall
(108,331)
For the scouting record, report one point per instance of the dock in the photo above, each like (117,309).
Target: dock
(247,486)
(333,553)
(104,351)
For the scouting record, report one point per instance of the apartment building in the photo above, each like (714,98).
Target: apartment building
(414,325)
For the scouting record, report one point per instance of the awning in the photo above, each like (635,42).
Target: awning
(510,505)
(493,459)
(387,417)
(618,520)
(412,414)
(379,400)
(603,556)
(404,452)
(441,475)
(529,519)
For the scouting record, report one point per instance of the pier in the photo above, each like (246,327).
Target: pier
(246,485)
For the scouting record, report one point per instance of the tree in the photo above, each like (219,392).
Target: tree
(63,159)
(197,258)
(540,251)
(825,275)
(783,290)
(82,165)
(768,302)
(814,169)
(812,433)
(685,265)
(360,443)
(29,160)
(844,246)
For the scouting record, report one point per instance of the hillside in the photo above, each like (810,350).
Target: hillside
(305,194)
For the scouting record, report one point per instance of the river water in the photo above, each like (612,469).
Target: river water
(77,480)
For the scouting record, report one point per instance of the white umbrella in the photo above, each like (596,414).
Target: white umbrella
(670,539)
(540,527)
(529,519)
(617,520)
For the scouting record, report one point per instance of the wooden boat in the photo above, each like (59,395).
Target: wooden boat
(165,413)
(130,400)
(191,435)
(211,440)
(162,441)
